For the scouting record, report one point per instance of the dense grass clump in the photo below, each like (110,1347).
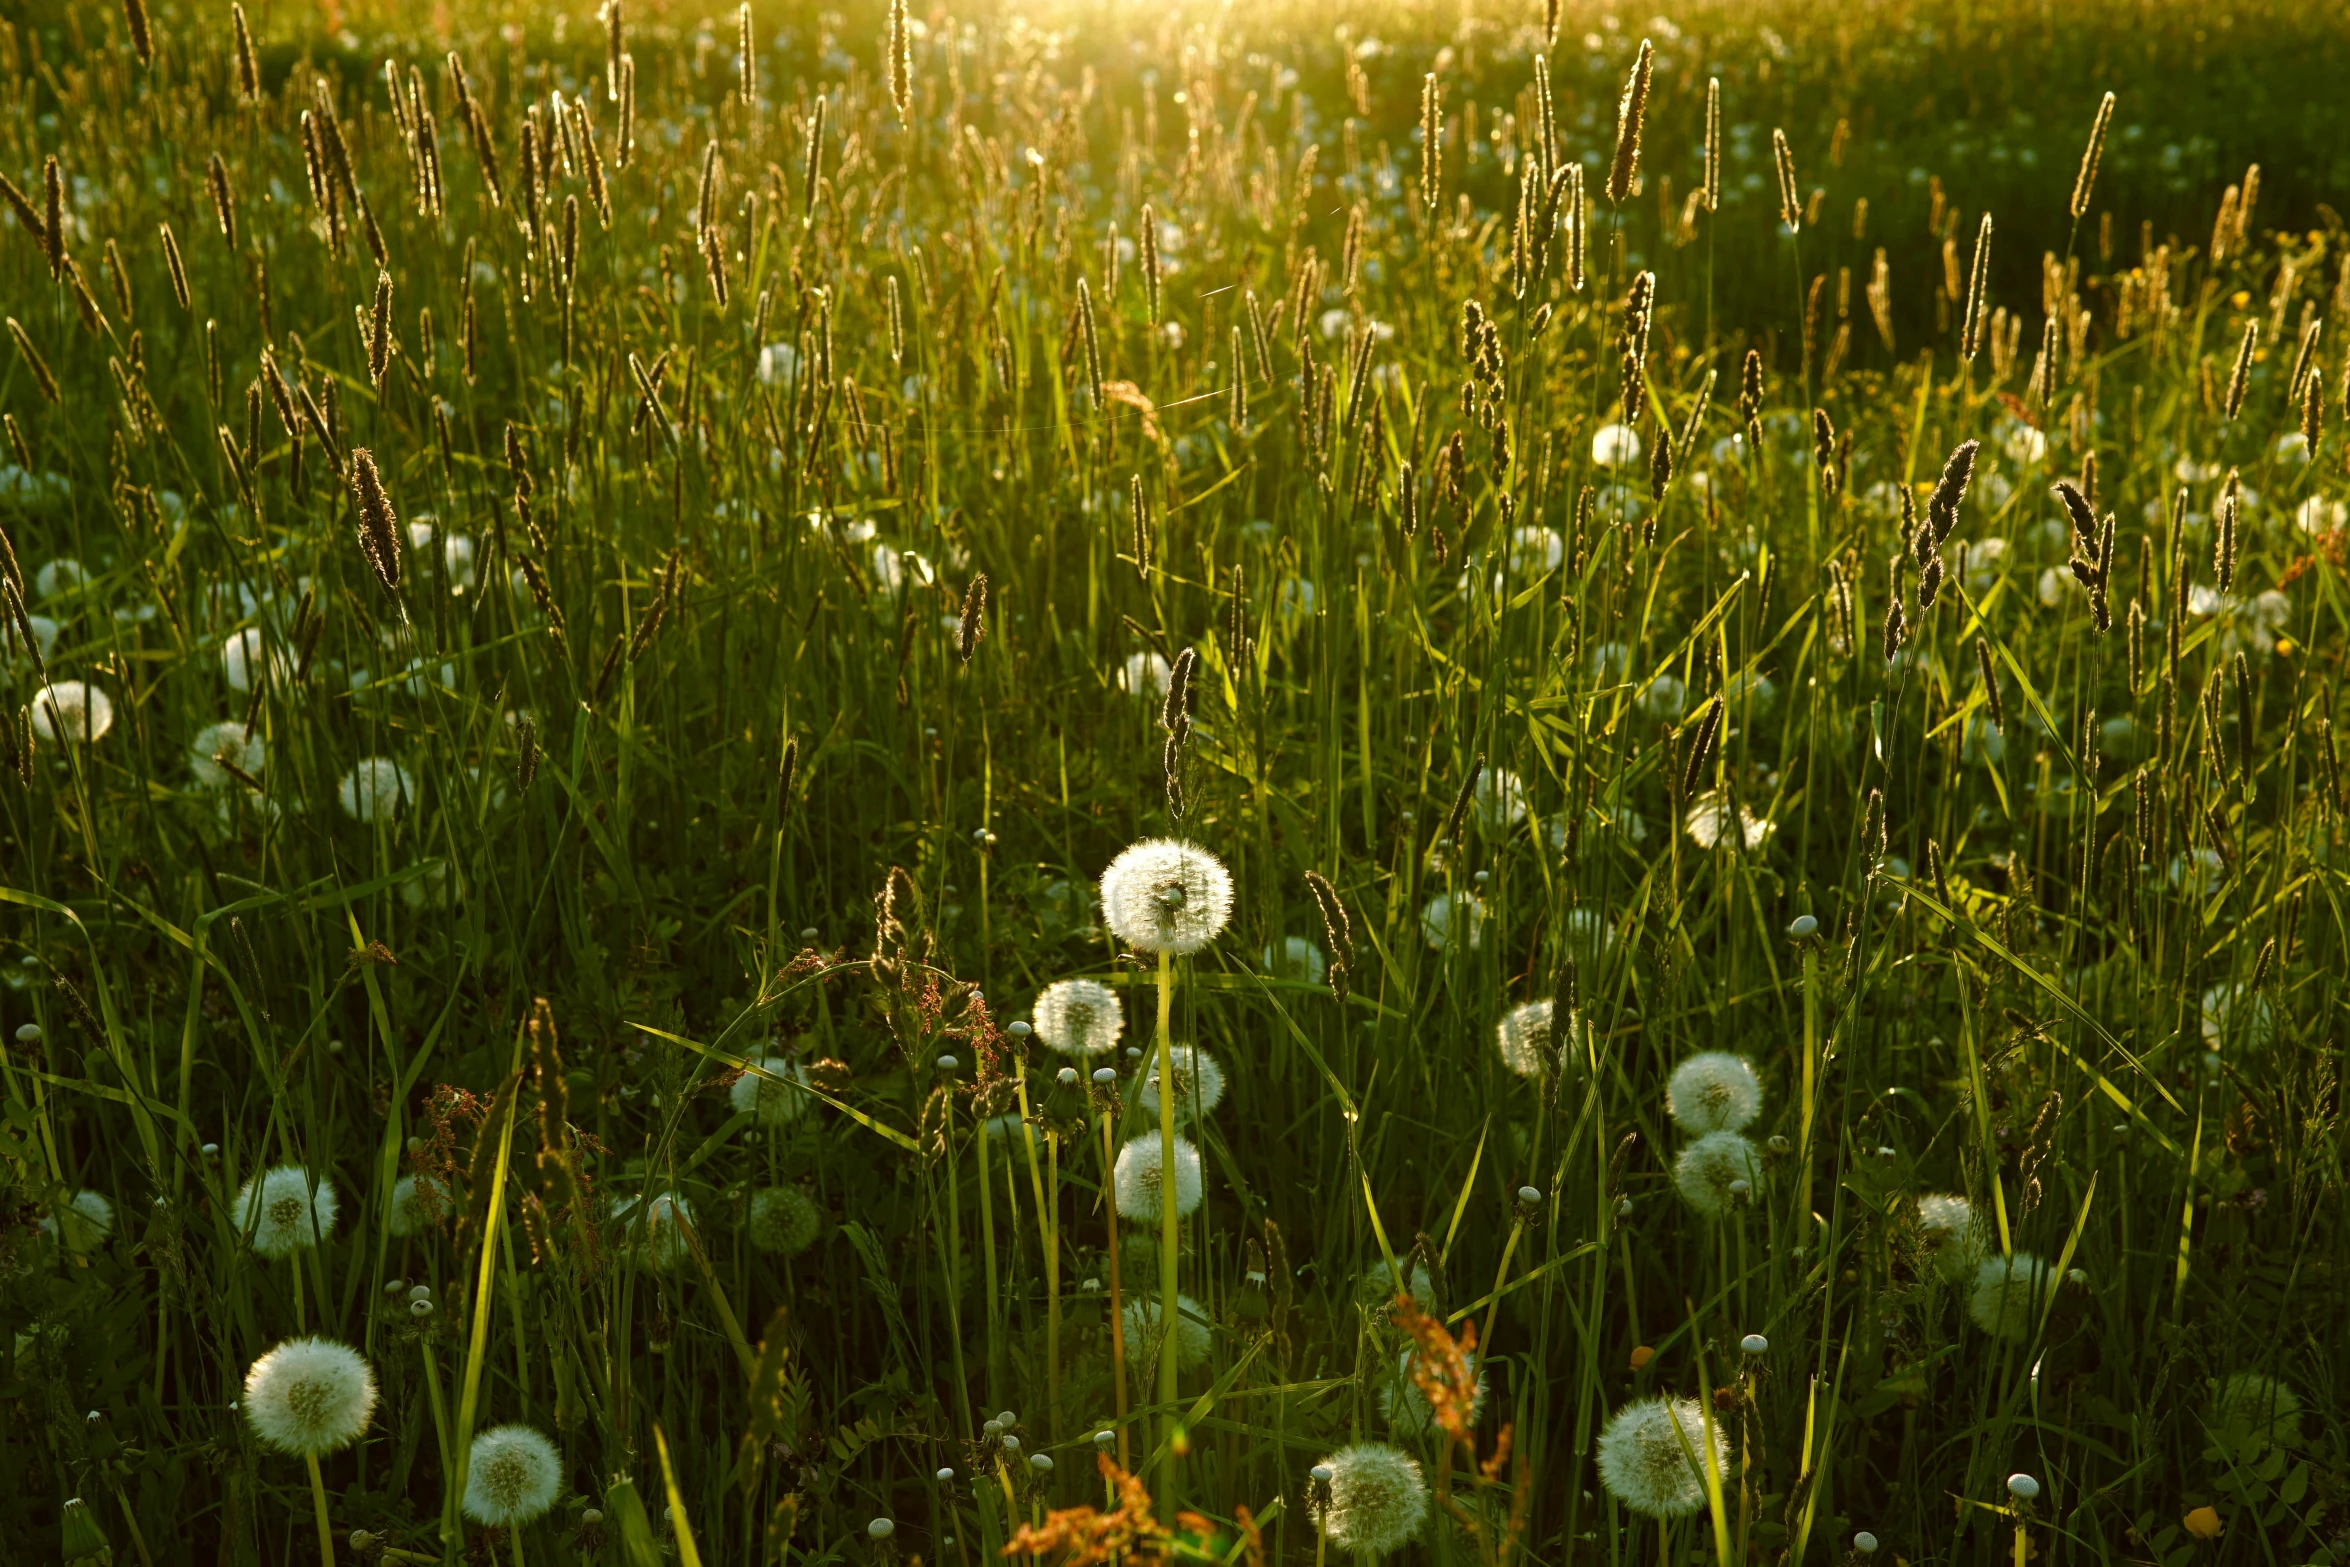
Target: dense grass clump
(1500,787)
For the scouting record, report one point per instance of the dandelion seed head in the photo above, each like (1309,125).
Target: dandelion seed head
(1140,1319)
(1199,1081)
(1710,1167)
(1523,1036)
(309,1397)
(218,747)
(1499,799)
(783,1220)
(1713,1091)
(1165,895)
(1405,1408)
(2237,1020)
(1136,1175)
(1145,677)
(512,1476)
(1649,1456)
(1377,1498)
(658,1234)
(2253,1411)
(1079,1017)
(772,1090)
(1535,549)
(1377,1287)
(1296,957)
(418,1203)
(1667,696)
(376,789)
(2007,1295)
(284,1212)
(72,710)
(1950,1227)
(45,633)
(84,1222)
(241,660)
(1710,820)
(60,576)
(1451,918)
(1615,446)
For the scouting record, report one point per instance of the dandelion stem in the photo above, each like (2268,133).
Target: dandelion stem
(1167,1225)
(995,1303)
(440,1431)
(1811,1050)
(1052,1281)
(1117,1306)
(326,1532)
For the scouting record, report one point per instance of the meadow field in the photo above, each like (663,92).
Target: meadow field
(1675,666)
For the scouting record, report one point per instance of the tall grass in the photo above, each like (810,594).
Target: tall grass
(619,817)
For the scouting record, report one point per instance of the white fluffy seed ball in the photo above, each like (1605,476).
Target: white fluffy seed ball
(284,1211)
(1950,1227)
(376,789)
(1713,1091)
(658,1231)
(418,1203)
(74,711)
(772,1090)
(1406,1408)
(1710,1171)
(783,1220)
(1379,1287)
(309,1397)
(2008,1294)
(2252,1411)
(1451,920)
(1646,1451)
(1378,1501)
(512,1477)
(1199,1081)
(218,747)
(1135,1178)
(85,1221)
(1079,1017)
(1165,895)
(1140,1319)
(1523,1037)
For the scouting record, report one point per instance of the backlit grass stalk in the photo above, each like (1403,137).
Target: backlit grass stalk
(1169,1228)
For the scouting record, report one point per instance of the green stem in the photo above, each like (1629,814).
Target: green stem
(1117,1302)
(995,1323)
(440,1431)
(1167,1227)
(326,1532)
